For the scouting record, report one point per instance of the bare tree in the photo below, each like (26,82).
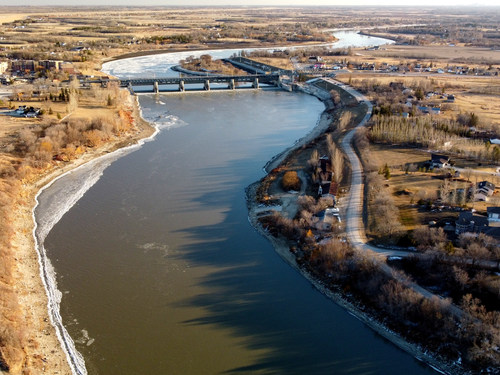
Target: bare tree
(344,121)
(445,190)
(313,161)
(337,165)
(468,173)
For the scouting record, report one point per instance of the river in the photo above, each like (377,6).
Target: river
(161,272)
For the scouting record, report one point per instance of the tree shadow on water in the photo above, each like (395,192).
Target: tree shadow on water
(269,306)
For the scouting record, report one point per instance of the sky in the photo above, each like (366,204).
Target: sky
(452,3)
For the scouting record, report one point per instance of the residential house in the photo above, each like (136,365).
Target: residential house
(327,218)
(430,110)
(468,222)
(439,161)
(484,190)
(493,216)
(328,189)
(315,59)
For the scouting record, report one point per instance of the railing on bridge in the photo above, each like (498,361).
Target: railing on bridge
(180,83)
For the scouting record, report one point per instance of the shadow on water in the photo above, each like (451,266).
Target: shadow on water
(264,300)
(159,263)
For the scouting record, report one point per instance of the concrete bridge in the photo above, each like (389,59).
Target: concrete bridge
(181,84)
(256,67)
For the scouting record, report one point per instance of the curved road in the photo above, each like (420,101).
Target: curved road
(354,211)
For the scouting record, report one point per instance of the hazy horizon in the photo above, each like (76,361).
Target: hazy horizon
(255,3)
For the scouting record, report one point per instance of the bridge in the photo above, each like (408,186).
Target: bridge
(256,67)
(180,83)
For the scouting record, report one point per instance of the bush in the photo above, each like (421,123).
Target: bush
(291,181)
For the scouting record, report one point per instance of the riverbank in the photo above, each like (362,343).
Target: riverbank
(44,352)
(282,247)
(221,46)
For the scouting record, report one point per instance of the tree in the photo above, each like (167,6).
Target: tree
(291,181)
(429,238)
(345,120)
(336,158)
(72,102)
(313,161)
(467,173)
(385,171)
(445,190)
(473,120)
(419,93)
(338,165)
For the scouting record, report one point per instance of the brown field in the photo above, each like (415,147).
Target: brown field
(280,62)
(436,53)
(472,93)
(408,189)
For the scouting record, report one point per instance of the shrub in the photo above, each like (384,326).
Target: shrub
(291,181)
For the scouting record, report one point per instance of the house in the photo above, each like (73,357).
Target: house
(495,141)
(439,161)
(21,110)
(450,98)
(315,59)
(468,222)
(480,197)
(325,172)
(493,216)
(484,190)
(487,187)
(430,110)
(328,189)
(327,218)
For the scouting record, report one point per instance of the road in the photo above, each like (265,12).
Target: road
(354,210)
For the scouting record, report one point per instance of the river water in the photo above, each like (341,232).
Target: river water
(159,269)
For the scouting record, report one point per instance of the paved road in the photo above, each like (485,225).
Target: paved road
(354,211)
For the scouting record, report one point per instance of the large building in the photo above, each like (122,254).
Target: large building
(31,66)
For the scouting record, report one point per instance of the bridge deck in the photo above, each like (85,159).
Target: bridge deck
(262,78)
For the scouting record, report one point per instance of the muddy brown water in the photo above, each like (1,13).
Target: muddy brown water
(161,272)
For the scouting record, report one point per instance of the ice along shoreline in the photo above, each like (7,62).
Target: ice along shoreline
(106,156)
(96,162)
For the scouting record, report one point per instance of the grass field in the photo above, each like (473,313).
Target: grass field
(408,188)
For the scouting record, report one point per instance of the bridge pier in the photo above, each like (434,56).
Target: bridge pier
(130,88)
(179,84)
